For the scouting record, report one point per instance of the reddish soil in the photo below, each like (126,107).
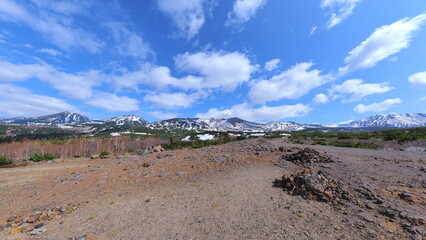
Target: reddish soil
(219,192)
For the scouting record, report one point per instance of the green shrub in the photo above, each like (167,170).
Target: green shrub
(5,160)
(104,153)
(77,156)
(38,157)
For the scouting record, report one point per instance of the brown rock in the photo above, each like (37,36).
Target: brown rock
(28,228)
(16,230)
(158,148)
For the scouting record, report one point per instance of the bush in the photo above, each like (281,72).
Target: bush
(77,156)
(38,157)
(104,153)
(5,160)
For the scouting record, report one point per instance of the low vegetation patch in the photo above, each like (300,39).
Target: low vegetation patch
(104,153)
(5,160)
(38,157)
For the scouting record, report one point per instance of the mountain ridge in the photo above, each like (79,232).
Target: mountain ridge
(379,121)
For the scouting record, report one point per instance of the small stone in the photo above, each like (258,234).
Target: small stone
(49,213)
(16,230)
(180,173)
(28,228)
(39,225)
(94,156)
(11,219)
(26,219)
(39,231)
(1,228)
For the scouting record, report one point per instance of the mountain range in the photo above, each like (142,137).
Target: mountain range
(381,121)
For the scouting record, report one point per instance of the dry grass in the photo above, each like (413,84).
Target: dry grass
(81,146)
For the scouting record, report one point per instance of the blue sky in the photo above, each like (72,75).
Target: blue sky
(307,61)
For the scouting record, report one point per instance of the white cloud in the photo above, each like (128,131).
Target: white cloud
(163,115)
(418,79)
(246,112)
(272,64)
(377,107)
(344,9)
(313,30)
(291,84)
(77,86)
(50,51)
(129,43)
(357,89)
(188,15)
(62,81)
(243,10)
(382,43)
(172,100)
(114,103)
(422,99)
(218,70)
(320,98)
(19,101)
(210,70)
(57,28)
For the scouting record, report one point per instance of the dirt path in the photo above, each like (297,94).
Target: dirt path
(239,203)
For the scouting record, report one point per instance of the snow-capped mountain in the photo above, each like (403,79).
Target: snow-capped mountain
(283,126)
(69,119)
(230,124)
(63,117)
(191,124)
(389,121)
(127,120)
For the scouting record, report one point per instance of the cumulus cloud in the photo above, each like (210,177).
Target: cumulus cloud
(422,99)
(291,84)
(418,79)
(19,101)
(217,69)
(243,11)
(113,103)
(172,100)
(205,70)
(356,90)
(377,107)
(65,82)
(54,26)
(320,98)
(272,64)
(382,43)
(247,112)
(188,15)
(341,9)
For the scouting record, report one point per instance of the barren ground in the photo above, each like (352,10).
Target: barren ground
(218,192)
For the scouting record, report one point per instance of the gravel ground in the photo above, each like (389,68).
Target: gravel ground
(220,192)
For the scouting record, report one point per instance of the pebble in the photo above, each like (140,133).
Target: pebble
(180,173)
(38,231)
(39,225)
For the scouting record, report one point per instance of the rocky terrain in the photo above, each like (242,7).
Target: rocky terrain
(250,189)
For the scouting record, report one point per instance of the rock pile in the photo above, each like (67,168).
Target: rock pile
(319,186)
(306,156)
(34,223)
(150,149)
